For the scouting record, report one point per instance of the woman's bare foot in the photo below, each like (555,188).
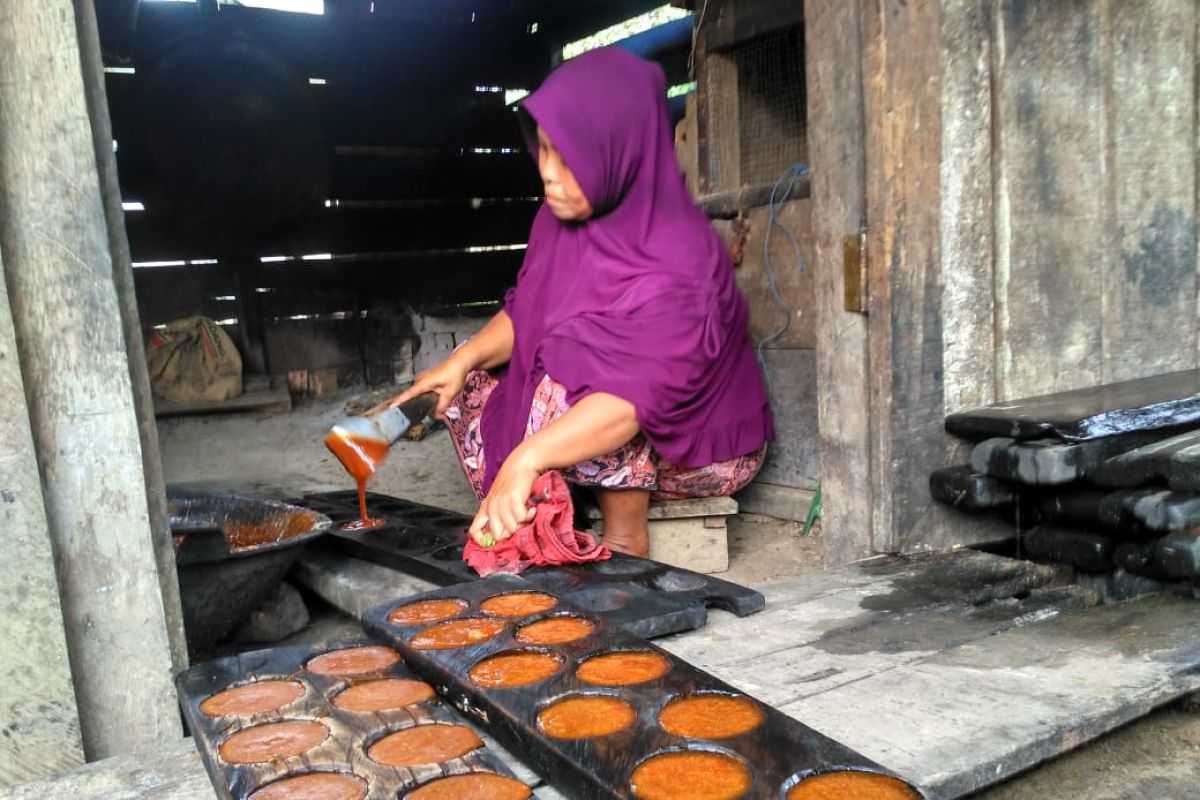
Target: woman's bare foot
(625,527)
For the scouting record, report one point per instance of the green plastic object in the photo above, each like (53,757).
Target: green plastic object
(814,512)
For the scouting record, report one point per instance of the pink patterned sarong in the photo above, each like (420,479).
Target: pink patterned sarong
(634,465)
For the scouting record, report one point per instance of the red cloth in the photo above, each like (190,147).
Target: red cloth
(550,540)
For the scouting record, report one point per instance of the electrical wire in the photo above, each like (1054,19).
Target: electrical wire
(792,175)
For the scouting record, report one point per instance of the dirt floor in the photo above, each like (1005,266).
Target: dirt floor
(1157,757)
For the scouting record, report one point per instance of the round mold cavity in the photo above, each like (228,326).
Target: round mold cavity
(514,668)
(513,605)
(676,581)
(272,741)
(255,697)
(698,773)
(601,598)
(427,743)
(354,661)
(387,694)
(328,785)
(623,668)
(710,715)
(585,715)
(847,782)
(456,633)
(555,629)
(425,612)
(471,786)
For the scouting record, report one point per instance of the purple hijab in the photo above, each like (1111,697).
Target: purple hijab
(640,300)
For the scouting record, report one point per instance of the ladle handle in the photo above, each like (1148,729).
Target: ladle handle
(419,407)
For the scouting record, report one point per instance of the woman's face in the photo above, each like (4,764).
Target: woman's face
(563,194)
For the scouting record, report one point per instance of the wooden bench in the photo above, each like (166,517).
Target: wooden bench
(692,534)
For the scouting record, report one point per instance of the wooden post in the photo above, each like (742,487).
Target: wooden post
(75,370)
(36,696)
(836,140)
(143,401)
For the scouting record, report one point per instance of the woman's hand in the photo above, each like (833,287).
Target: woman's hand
(506,507)
(446,380)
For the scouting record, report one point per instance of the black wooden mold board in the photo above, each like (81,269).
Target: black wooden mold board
(1174,461)
(1051,462)
(645,597)
(349,733)
(1146,404)
(777,752)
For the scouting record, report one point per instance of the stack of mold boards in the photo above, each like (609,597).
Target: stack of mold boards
(1105,479)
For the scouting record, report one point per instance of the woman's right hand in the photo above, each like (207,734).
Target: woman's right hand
(446,380)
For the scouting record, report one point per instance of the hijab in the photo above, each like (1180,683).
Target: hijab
(639,300)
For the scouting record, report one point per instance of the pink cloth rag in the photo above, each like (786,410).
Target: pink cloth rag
(549,540)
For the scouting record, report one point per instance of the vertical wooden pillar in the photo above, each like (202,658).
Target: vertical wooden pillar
(143,401)
(37,701)
(250,329)
(833,52)
(75,371)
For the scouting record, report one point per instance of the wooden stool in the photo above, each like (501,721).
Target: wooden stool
(691,534)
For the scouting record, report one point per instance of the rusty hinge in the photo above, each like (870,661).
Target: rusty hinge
(854,271)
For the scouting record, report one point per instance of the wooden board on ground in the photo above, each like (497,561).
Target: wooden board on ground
(255,397)
(957,670)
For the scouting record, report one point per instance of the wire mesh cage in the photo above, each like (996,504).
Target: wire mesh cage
(772,118)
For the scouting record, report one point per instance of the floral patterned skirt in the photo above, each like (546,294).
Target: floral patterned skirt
(634,465)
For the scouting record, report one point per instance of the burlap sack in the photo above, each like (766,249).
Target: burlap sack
(192,359)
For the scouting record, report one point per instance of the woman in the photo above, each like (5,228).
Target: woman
(624,341)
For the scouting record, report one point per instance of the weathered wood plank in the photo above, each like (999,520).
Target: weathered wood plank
(793,458)
(794,325)
(1150,283)
(833,62)
(1049,200)
(967,223)
(992,708)
(135,353)
(36,695)
(71,347)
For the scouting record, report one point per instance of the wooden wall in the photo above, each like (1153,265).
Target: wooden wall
(1030,192)
(394,164)
(748,123)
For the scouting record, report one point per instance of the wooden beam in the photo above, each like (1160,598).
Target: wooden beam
(114,217)
(37,698)
(71,346)
(836,137)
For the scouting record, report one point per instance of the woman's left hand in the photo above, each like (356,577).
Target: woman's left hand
(506,507)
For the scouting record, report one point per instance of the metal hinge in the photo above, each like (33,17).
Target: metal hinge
(854,271)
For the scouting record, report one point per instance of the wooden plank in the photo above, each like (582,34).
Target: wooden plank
(742,21)
(833,61)
(59,274)
(348,231)
(1150,285)
(268,401)
(37,698)
(967,222)
(996,706)
(793,276)
(1050,198)
(903,98)
(793,458)
(135,352)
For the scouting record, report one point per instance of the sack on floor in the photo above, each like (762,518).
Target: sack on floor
(192,359)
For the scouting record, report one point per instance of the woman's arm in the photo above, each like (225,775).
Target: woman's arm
(597,424)
(489,348)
